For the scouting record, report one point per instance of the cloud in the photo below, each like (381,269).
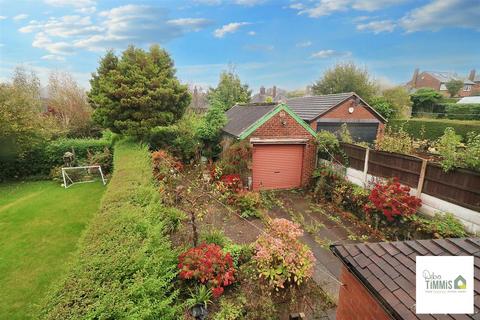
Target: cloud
(377,26)
(3,17)
(194,24)
(229,28)
(53,57)
(81,6)
(19,17)
(329,53)
(304,44)
(319,8)
(42,41)
(63,27)
(440,14)
(252,33)
(248,3)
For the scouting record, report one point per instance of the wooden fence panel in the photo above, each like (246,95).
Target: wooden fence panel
(355,154)
(388,165)
(459,186)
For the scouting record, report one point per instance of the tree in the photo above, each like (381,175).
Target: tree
(68,105)
(382,106)
(229,91)
(346,77)
(424,99)
(399,99)
(136,92)
(453,86)
(210,129)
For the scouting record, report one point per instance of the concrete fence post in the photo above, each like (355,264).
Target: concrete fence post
(365,167)
(421,179)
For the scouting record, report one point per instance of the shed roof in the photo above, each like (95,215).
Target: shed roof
(388,269)
(241,116)
(310,107)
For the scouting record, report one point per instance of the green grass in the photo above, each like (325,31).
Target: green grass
(40,224)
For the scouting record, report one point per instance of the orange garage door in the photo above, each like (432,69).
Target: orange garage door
(277,166)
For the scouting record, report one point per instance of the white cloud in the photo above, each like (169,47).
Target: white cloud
(248,3)
(3,17)
(229,28)
(304,44)
(42,41)
(377,26)
(194,24)
(252,33)
(53,57)
(63,27)
(319,8)
(19,17)
(2,45)
(330,53)
(440,14)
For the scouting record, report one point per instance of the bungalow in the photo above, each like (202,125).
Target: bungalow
(329,112)
(379,279)
(284,150)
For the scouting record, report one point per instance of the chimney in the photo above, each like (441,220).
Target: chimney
(471,76)
(414,78)
(274,92)
(262,90)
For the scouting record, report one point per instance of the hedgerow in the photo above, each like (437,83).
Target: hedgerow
(432,129)
(125,267)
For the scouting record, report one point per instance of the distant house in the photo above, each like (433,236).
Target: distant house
(438,81)
(273,94)
(329,112)
(379,279)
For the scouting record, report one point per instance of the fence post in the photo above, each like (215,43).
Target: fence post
(365,167)
(421,179)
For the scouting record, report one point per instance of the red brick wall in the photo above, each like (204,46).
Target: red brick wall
(424,80)
(341,112)
(355,302)
(274,128)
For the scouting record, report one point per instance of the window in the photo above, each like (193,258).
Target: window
(467,87)
(443,87)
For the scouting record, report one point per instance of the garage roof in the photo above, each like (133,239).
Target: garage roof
(387,269)
(245,118)
(310,107)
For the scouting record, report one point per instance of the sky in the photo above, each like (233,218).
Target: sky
(286,43)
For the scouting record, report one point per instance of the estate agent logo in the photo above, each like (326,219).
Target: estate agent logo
(444,284)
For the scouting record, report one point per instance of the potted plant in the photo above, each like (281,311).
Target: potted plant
(198,302)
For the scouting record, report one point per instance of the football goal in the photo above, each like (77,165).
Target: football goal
(83,174)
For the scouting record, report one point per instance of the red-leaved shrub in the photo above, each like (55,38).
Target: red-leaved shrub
(233,182)
(392,199)
(207,264)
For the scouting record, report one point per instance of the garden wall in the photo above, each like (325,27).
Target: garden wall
(457,191)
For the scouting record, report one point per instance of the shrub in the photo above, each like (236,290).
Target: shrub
(351,198)
(173,217)
(249,203)
(462,111)
(392,199)
(395,141)
(344,134)
(232,182)
(125,267)
(328,144)
(201,295)
(229,311)
(280,257)
(164,164)
(236,158)
(240,253)
(447,146)
(442,225)
(326,179)
(214,236)
(208,265)
(471,154)
(384,107)
(434,128)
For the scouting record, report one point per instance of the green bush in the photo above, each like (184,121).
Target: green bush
(432,129)
(229,311)
(214,236)
(463,111)
(125,266)
(442,225)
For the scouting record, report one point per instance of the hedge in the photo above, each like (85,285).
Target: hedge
(125,267)
(46,155)
(434,128)
(453,111)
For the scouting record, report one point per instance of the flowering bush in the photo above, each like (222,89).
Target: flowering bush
(164,163)
(248,203)
(209,265)
(280,257)
(392,199)
(233,182)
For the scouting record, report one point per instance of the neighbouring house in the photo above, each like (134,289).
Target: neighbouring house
(199,103)
(283,145)
(273,94)
(329,112)
(438,81)
(469,100)
(378,279)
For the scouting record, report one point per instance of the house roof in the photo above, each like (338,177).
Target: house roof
(310,107)
(387,269)
(469,100)
(447,76)
(243,119)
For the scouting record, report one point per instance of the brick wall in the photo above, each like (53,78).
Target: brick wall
(290,128)
(424,80)
(341,112)
(355,302)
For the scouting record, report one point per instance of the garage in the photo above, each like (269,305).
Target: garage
(277,166)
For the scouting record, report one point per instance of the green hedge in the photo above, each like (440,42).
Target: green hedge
(126,267)
(434,128)
(44,156)
(452,111)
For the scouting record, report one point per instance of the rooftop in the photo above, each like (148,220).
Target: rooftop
(387,269)
(447,76)
(241,116)
(309,107)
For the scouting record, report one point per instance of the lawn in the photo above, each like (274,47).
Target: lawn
(40,224)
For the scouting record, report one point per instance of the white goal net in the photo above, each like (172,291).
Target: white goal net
(84,174)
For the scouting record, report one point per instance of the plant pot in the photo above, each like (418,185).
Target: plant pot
(199,311)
